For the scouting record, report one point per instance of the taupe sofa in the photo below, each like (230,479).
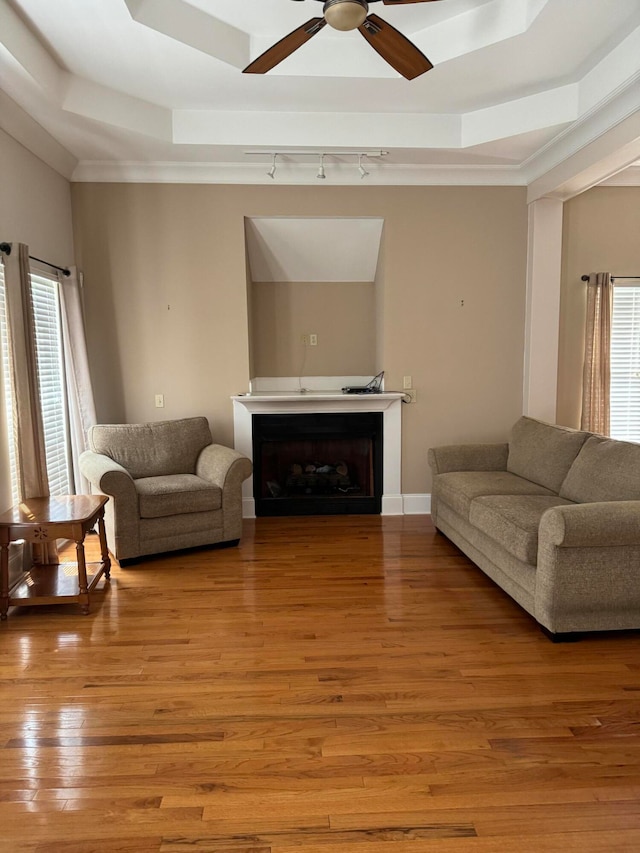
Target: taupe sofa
(170,486)
(553,517)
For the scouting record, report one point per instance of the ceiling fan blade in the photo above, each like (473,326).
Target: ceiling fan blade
(285,47)
(404,2)
(395,48)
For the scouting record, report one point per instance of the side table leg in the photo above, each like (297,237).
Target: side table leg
(4,580)
(82,577)
(104,550)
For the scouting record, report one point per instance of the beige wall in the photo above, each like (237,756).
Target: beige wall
(341,314)
(167,312)
(35,208)
(601,233)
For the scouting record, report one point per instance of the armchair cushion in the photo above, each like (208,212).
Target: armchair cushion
(153,449)
(176,494)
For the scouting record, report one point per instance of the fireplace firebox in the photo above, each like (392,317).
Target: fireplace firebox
(318,464)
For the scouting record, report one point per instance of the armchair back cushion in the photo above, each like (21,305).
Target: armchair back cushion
(543,453)
(604,470)
(154,449)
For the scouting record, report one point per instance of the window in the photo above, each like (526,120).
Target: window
(45,299)
(625,362)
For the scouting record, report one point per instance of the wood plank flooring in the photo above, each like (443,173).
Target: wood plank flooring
(332,685)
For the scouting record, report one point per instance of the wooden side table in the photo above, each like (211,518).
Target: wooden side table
(44,520)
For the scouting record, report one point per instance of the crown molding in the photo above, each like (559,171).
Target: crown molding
(629,177)
(296,174)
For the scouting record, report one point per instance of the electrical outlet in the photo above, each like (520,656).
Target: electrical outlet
(411,394)
(313,340)
(407,382)
(159,401)
(304,340)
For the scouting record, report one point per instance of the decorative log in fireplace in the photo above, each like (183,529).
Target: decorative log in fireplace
(317,464)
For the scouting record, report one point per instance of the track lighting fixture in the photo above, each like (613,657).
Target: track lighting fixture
(321,174)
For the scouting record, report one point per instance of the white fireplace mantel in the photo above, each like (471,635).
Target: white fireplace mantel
(321,398)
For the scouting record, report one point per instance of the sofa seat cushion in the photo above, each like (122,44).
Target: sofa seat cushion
(459,488)
(175,494)
(604,470)
(513,521)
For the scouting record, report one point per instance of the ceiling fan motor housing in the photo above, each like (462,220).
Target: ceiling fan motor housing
(345,14)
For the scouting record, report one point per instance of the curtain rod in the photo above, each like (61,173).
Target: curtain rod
(614,277)
(6,248)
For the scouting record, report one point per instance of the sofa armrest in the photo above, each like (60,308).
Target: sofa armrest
(603,524)
(468,457)
(588,569)
(223,466)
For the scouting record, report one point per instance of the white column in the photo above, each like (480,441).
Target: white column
(542,318)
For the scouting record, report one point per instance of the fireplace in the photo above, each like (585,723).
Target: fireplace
(317,464)
(377,479)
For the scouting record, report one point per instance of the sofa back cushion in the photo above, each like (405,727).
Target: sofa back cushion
(543,453)
(153,449)
(604,470)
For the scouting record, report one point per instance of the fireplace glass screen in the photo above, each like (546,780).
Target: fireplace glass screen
(314,464)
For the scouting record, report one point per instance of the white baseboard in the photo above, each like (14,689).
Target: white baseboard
(391,505)
(248,508)
(416,504)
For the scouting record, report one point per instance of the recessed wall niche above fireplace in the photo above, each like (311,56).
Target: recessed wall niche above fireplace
(314,279)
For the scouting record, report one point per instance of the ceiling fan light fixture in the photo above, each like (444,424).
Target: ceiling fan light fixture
(345,15)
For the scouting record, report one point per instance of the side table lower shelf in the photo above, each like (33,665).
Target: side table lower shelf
(55,584)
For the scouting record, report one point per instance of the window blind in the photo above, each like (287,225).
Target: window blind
(625,363)
(49,355)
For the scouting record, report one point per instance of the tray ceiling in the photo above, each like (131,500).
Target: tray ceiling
(154,90)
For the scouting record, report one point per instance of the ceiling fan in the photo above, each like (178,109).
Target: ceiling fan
(346,15)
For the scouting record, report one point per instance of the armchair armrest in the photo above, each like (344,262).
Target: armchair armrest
(468,457)
(227,469)
(223,466)
(106,476)
(121,516)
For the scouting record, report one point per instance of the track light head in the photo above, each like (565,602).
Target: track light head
(361,168)
(272,170)
(321,175)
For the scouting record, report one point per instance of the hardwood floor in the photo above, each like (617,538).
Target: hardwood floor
(332,685)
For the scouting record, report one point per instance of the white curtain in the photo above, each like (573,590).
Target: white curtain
(31,458)
(596,380)
(82,413)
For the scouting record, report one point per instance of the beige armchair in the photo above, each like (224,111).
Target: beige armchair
(170,486)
